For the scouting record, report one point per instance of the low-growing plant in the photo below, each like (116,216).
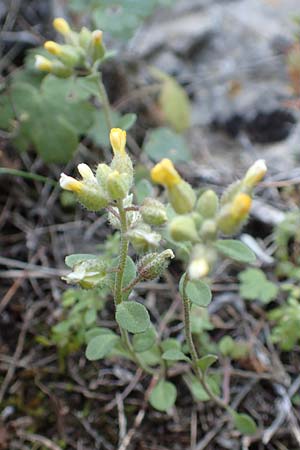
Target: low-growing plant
(286,318)
(152,231)
(190,220)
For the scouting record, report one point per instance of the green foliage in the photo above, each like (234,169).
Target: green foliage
(206,361)
(173,101)
(80,310)
(49,117)
(197,389)
(287,237)
(99,346)
(165,143)
(235,250)
(133,317)
(99,131)
(197,291)
(234,349)
(286,332)
(174,355)
(144,341)
(244,423)
(254,285)
(163,396)
(119,18)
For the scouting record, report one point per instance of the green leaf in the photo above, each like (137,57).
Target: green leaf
(55,139)
(99,346)
(206,361)
(254,285)
(151,357)
(129,271)
(226,345)
(76,258)
(165,143)
(163,396)
(50,117)
(175,355)
(143,189)
(170,343)
(133,317)
(128,277)
(173,101)
(97,331)
(99,132)
(144,341)
(235,250)
(197,389)
(197,291)
(244,423)
(90,316)
(127,121)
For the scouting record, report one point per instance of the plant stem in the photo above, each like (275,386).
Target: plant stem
(123,253)
(29,175)
(118,291)
(193,351)
(105,103)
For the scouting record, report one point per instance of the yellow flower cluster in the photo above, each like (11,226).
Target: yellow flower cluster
(110,182)
(81,49)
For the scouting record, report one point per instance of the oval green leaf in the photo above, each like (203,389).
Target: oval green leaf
(99,346)
(144,341)
(244,423)
(206,361)
(163,396)
(76,258)
(133,317)
(174,355)
(235,250)
(197,291)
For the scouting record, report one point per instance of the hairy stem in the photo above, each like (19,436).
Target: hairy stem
(123,253)
(193,351)
(118,292)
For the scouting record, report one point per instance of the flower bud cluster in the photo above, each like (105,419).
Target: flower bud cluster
(110,183)
(80,50)
(200,221)
(140,221)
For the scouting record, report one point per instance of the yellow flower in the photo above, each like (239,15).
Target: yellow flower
(70,184)
(61,25)
(240,206)
(53,48)
(86,172)
(97,37)
(42,63)
(255,174)
(118,141)
(165,173)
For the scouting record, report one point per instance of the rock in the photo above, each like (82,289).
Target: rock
(179,34)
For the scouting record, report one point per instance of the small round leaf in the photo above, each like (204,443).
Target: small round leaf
(244,423)
(133,317)
(197,291)
(163,396)
(144,341)
(174,355)
(99,346)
